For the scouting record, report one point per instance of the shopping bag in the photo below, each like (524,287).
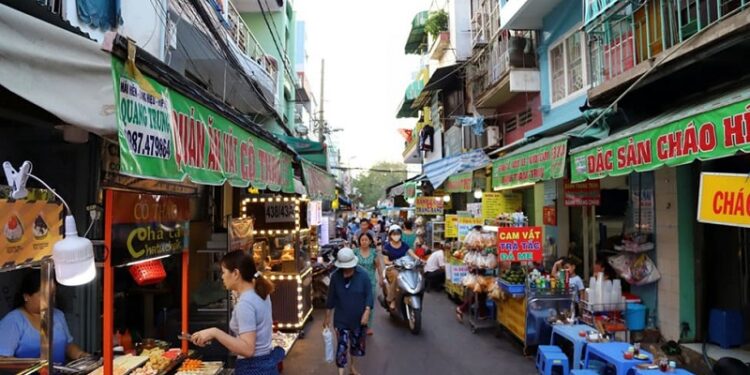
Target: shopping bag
(328,344)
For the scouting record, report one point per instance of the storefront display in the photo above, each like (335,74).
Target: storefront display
(282,248)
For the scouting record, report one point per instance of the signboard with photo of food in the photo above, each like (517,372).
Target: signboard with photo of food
(30,227)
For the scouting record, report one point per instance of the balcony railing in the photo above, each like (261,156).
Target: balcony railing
(485,21)
(241,34)
(511,49)
(623,35)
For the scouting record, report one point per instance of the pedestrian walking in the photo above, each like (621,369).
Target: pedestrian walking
(350,301)
(367,258)
(251,323)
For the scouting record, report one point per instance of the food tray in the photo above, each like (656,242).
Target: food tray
(208,368)
(511,288)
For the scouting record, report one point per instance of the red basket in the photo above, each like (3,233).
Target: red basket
(147,273)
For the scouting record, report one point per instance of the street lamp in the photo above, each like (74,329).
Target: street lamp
(446,198)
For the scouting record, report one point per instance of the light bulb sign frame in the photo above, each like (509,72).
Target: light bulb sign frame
(148,226)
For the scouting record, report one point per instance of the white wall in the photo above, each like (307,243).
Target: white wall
(141,22)
(437,152)
(667,252)
(459,13)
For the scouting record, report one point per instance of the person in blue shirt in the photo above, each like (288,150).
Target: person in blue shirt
(21,327)
(350,297)
(394,249)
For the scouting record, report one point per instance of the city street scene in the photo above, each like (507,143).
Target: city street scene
(351,187)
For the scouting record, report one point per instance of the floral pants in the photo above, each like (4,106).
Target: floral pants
(354,340)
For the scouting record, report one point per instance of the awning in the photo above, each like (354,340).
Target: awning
(712,129)
(443,78)
(314,152)
(537,161)
(439,171)
(320,184)
(417,41)
(41,61)
(412,92)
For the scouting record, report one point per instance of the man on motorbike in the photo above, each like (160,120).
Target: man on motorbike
(394,249)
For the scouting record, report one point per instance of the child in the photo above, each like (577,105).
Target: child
(574,281)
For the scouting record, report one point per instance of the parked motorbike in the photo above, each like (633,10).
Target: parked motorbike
(322,271)
(409,293)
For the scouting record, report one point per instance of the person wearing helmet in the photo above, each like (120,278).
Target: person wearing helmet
(394,249)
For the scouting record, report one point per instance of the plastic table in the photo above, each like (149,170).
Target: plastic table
(612,353)
(679,371)
(570,333)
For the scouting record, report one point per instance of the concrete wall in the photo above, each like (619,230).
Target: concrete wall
(667,252)
(460,28)
(519,103)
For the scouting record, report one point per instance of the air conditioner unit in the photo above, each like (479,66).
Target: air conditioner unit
(494,137)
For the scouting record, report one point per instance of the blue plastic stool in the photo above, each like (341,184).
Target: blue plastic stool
(584,372)
(541,353)
(552,360)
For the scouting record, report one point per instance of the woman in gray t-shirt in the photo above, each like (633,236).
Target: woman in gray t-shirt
(252,322)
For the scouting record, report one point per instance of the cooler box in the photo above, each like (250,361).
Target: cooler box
(635,317)
(725,328)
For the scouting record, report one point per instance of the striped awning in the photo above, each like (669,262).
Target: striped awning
(417,41)
(439,171)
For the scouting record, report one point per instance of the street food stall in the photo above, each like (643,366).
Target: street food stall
(282,246)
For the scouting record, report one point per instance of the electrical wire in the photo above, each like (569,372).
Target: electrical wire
(280,50)
(51,190)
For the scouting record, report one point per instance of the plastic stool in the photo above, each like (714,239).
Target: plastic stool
(552,360)
(542,351)
(584,372)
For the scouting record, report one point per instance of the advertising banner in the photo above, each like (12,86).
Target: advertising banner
(410,190)
(320,184)
(494,204)
(429,206)
(451,226)
(520,244)
(165,135)
(465,224)
(586,193)
(30,228)
(148,226)
(460,183)
(314,213)
(724,199)
(549,215)
(712,134)
(543,163)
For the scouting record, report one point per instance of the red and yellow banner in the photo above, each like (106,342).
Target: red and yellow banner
(724,199)
(429,206)
(520,244)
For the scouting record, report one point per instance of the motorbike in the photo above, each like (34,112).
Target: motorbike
(409,292)
(322,271)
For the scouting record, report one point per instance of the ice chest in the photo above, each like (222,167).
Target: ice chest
(725,328)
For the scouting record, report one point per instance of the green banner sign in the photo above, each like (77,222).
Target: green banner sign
(713,134)
(542,163)
(165,135)
(410,190)
(460,183)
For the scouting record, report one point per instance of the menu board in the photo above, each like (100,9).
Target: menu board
(494,204)
(451,226)
(30,229)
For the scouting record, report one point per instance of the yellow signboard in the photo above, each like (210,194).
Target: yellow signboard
(494,204)
(724,199)
(465,224)
(30,229)
(451,226)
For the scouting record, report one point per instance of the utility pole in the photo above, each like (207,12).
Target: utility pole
(321,118)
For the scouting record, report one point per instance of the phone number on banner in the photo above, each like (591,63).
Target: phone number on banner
(152,145)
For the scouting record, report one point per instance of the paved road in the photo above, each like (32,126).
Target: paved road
(444,347)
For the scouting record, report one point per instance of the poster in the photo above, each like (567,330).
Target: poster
(494,204)
(241,234)
(520,244)
(429,206)
(314,213)
(167,136)
(475,209)
(451,226)
(549,215)
(724,199)
(587,193)
(465,224)
(148,226)
(30,229)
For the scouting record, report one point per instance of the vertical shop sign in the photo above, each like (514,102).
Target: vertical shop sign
(494,204)
(549,215)
(314,213)
(520,244)
(147,226)
(451,226)
(429,206)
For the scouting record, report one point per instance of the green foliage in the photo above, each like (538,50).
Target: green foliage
(436,23)
(371,184)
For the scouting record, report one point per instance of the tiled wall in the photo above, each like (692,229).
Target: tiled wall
(667,252)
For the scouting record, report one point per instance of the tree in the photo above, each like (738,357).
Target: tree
(371,184)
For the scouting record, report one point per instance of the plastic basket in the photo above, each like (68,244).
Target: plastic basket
(147,273)
(512,288)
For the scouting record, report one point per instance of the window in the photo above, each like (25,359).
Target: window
(567,67)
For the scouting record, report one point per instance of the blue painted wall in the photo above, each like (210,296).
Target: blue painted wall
(561,20)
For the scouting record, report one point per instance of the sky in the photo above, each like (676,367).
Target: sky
(366,72)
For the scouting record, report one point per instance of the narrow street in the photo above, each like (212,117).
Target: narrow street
(443,347)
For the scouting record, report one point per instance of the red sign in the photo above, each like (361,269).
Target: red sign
(519,244)
(549,214)
(586,193)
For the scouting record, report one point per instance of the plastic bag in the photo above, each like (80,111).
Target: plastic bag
(328,345)
(473,240)
(635,269)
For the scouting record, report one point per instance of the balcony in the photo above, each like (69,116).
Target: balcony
(525,14)
(440,45)
(411,153)
(485,22)
(507,66)
(625,40)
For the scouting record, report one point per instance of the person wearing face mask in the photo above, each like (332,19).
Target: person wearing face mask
(394,249)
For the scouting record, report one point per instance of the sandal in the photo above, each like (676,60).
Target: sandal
(370,332)
(459,315)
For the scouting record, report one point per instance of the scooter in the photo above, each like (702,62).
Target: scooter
(322,271)
(409,292)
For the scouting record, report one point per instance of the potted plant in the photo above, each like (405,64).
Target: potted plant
(436,23)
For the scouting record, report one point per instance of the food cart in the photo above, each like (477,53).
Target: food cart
(282,246)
